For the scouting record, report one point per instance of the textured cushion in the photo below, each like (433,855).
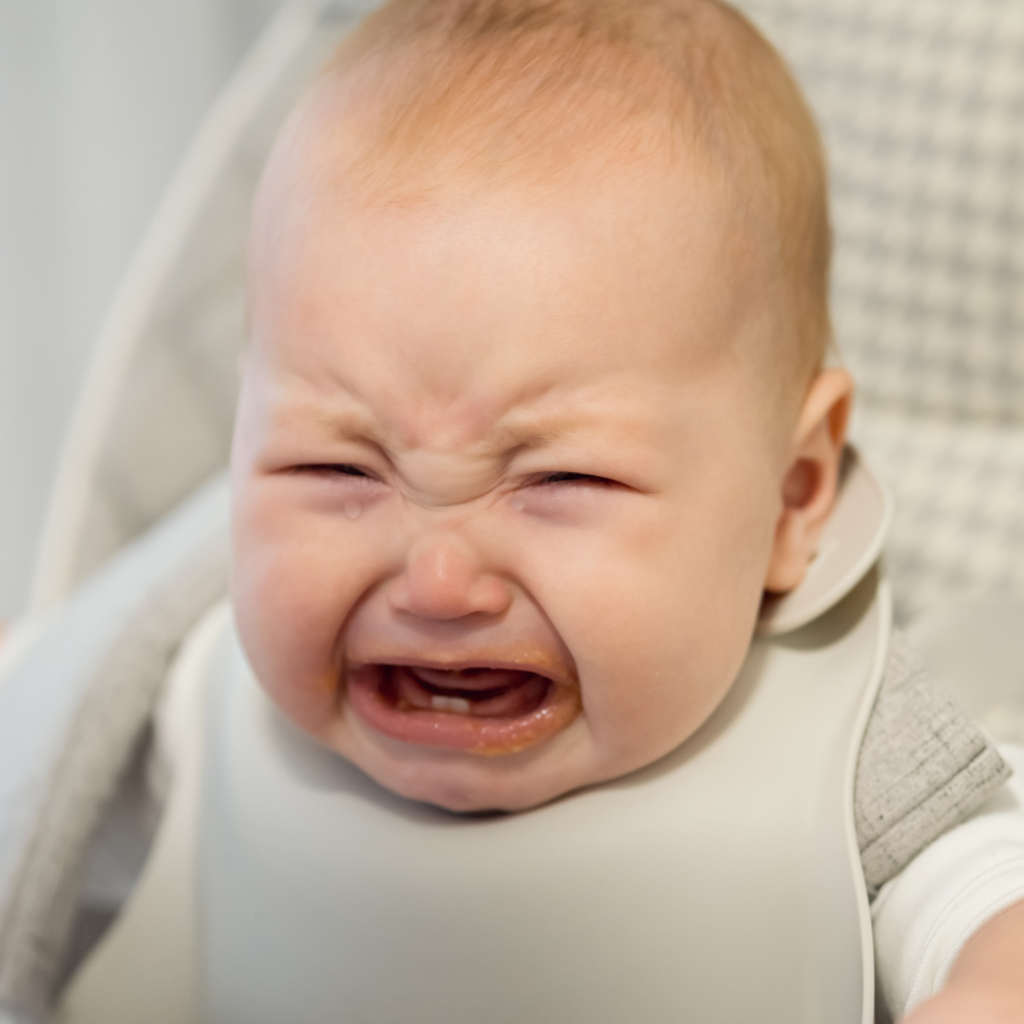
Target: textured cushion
(921,103)
(73,706)
(923,767)
(958,528)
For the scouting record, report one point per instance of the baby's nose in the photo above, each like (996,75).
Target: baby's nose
(445,579)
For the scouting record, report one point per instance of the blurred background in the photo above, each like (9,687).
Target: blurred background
(98,99)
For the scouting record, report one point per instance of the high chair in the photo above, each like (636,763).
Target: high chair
(921,104)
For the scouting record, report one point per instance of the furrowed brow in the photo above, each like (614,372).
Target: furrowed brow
(328,420)
(532,432)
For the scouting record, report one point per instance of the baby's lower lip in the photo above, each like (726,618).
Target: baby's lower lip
(478,710)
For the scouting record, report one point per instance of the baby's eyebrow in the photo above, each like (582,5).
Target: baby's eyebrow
(332,418)
(517,431)
(525,432)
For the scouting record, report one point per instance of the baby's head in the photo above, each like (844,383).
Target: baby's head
(533,409)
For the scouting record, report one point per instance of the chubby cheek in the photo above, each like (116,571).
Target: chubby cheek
(645,698)
(294,584)
(664,632)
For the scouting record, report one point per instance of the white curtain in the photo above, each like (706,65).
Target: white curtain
(98,99)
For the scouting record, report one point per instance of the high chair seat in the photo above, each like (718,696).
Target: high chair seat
(958,530)
(921,104)
(976,649)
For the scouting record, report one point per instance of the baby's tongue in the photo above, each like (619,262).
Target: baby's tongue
(478,692)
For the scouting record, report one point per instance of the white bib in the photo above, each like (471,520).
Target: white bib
(721,884)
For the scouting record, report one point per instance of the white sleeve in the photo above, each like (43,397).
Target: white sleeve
(924,916)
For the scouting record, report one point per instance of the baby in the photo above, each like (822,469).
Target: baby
(534,411)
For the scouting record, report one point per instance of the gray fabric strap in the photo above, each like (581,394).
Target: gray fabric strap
(81,698)
(923,767)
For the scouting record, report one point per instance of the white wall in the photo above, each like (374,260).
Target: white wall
(98,99)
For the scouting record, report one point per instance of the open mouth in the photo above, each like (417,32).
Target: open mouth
(478,709)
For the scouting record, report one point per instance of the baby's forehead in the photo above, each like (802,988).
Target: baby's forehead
(426,126)
(508,269)
(644,258)
(329,172)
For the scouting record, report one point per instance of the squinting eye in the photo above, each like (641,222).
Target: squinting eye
(334,469)
(575,478)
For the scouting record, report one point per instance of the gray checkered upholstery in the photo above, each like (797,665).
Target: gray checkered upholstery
(922,107)
(958,532)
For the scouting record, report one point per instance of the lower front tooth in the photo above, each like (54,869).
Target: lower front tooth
(457,704)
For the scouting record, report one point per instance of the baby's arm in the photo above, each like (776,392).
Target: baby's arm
(949,929)
(986,984)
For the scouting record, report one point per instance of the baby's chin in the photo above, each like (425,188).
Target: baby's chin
(465,782)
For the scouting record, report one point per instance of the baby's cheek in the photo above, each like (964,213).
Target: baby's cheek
(653,673)
(289,614)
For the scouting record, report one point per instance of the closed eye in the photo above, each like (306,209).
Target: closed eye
(334,469)
(576,478)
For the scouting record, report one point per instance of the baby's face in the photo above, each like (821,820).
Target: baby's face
(505,480)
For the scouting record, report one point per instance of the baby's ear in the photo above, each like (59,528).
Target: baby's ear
(811,478)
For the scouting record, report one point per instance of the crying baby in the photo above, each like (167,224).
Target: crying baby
(536,408)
